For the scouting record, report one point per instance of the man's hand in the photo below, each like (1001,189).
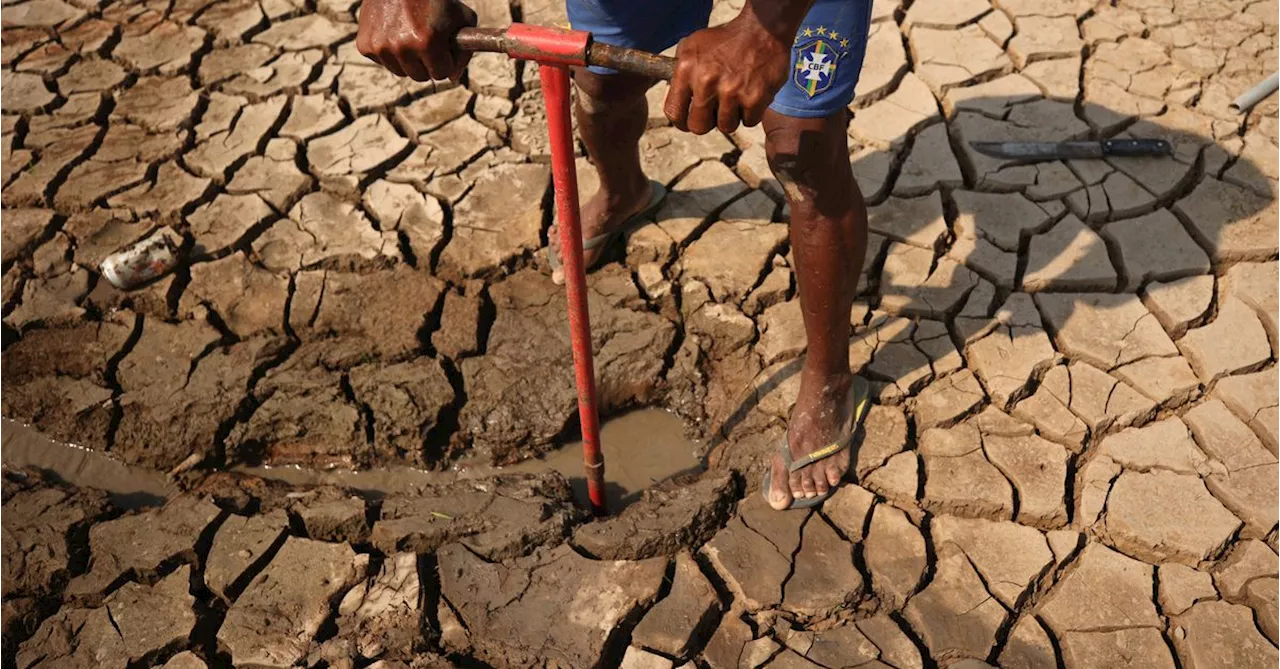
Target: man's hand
(728,74)
(415,37)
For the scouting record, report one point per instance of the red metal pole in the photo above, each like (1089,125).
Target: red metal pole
(555,91)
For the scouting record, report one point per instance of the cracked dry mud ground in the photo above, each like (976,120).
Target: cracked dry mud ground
(1071,461)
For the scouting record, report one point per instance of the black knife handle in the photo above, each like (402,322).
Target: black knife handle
(1136,147)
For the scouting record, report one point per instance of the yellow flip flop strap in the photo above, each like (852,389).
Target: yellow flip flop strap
(834,447)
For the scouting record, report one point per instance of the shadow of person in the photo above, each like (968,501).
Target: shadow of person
(1010,316)
(1074,254)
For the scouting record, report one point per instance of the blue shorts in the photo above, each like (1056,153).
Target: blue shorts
(826,57)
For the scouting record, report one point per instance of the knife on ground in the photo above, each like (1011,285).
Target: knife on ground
(1033,151)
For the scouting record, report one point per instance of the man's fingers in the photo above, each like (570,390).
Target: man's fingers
(412,65)
(469,16)
(729,115)
(368,49)
(364,46)
(388,60)
(410,62)
(414,38)
(679,96)
(458,57)
(702,115)
(753,113)
(440,59)
(461,60)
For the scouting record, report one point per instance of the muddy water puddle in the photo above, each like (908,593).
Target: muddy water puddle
(128,486)
(641,448)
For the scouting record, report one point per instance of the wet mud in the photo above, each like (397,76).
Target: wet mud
(642,448)
(128,486)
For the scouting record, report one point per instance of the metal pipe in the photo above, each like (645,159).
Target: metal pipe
(528,42)
(481,39)
(631,61)
(555,90)
(1256,94)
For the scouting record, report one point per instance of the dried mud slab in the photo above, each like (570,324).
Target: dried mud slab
(496,518)
(152,618)
(824,580)
(381,616)
(76,637)
(894,550)
(520,393)
(323,231)
(405,403)
(58,151)
(1229,221)
(385,314)
(955,614)
(1164,516)
(1245,488)
(57,379)
(499,219)
(519,611)
(239,543)
(1220,632)
(40,535)
(681,619)
(127,152)
(246,298)
(663,521)
(303,415)
(959,479)
(753,553)
(140,543)
(169,417)
(21,230)
(272,623)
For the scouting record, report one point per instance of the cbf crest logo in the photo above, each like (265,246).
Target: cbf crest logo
(817,53)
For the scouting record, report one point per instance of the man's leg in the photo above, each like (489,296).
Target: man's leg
(611,114)
(810,158)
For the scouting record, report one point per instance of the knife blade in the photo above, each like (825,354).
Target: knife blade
(1035,151)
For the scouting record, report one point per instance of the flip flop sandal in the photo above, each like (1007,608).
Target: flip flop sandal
(658,193)
(859,402)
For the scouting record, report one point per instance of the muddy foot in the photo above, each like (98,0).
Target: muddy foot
(821,416)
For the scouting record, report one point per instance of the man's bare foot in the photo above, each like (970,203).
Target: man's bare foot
(603,213)
(821,416)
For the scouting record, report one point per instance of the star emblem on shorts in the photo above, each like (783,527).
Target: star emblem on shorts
(816,59)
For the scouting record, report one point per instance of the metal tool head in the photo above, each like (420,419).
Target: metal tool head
(1032,151)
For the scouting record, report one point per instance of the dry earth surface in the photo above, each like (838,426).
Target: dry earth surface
(1071,461)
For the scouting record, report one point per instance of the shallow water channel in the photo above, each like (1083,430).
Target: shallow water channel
(641,448)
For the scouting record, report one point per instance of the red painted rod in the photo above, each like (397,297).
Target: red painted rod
(556,50)
(555,90)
